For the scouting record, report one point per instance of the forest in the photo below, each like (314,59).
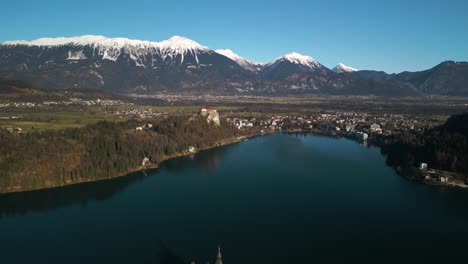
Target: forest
(444,147)
(36,160)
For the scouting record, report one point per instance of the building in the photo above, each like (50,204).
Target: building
(365,136)
(423,166)
(238,123)
(211,114)
(361,136)
(145,162)
(219,257)
(349,127)
(375,128)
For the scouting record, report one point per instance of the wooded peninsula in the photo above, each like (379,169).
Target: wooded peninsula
(104,150)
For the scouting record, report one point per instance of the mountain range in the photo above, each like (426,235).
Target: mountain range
(181,65)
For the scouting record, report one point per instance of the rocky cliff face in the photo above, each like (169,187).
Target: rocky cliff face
(211,115)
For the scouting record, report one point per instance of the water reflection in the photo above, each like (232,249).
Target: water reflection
(48,199)
(207,161)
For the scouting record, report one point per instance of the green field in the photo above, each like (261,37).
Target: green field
(55,120)
(48,119)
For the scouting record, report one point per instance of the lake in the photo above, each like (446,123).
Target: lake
(281,198)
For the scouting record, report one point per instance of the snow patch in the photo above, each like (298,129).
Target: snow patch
(230,54)
(111,55)
(111,48)
(137,61)
(76,55)
(244,63)
(340,68)
(297,58)
(99,76)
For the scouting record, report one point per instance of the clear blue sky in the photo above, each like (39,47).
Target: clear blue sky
(366,34)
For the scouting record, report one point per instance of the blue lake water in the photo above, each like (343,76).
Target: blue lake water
(282,198)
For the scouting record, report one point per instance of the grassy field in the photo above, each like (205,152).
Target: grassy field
(184,109)
(55,117)
(49,119)
(55,120)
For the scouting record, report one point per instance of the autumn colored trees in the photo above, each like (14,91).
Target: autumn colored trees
(53,158)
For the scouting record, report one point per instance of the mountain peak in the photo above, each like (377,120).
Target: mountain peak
(173,43)
(340,68)
(178,38)
(181,42)
(297,58)
(59,41)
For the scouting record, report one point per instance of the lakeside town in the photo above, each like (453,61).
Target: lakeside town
(358,125)
(365,128)
(362,127)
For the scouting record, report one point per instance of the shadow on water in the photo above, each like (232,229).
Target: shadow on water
(48,199)
(207,161)
(21,203)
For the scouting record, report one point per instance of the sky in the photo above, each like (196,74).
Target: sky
(392,36)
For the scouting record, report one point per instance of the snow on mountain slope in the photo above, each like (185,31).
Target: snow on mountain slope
(292,65)
(297,58)
(340,68)
(111,48)
(244,63)
(177,45)
(175,42)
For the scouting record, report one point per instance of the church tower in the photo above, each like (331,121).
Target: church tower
(219,257)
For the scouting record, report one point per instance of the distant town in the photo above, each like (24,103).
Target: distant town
(360,125)
(367,127)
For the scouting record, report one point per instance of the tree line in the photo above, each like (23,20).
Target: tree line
(444,147)
(104,150)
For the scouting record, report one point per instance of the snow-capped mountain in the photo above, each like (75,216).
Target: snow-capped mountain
(244,63)
(179,64)
(118,63)
(291,64)
(175,49)
(340,68)
(299,59)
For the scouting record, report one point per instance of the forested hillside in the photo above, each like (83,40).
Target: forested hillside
(444,147)
(54,158)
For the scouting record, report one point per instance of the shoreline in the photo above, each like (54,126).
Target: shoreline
(400,171)
(221,143)
(229,141)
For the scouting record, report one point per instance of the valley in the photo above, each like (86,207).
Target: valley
(99,135)
(236,132)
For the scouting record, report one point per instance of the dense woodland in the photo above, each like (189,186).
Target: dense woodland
(444,147)
(104,150)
